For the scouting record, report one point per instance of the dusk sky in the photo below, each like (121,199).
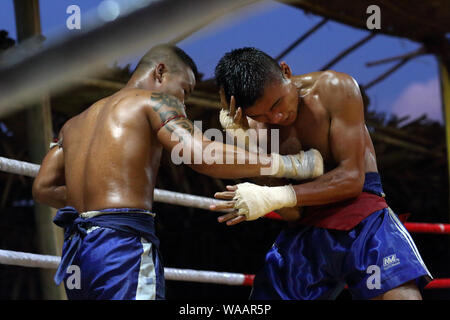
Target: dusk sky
(270,26)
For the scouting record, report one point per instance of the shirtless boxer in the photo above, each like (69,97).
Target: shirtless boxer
(102,174)
(346,233)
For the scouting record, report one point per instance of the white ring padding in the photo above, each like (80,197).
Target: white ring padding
(232,279)
(164,196)
(19,167)
(32,260)
(186,200)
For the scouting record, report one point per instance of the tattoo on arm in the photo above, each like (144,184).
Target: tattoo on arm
(168,107)
(181,124)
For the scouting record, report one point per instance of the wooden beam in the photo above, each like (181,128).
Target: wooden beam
(40,133)
(198,98)
(413,54)
(386,74)
(301,39)
(73,56)
(382,137)
(400,133)
(347,51)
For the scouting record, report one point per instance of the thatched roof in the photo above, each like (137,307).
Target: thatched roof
(417,20)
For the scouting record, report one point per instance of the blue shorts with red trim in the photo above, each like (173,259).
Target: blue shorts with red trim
(308,263)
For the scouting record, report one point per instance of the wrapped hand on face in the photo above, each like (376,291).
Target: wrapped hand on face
(301,166)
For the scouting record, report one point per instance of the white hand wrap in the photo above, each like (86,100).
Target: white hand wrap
(304,165)
(234,129)
(254,201)
(226,121)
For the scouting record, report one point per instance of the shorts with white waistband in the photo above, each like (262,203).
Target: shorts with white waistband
(114,265)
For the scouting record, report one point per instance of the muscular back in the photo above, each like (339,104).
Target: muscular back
(111,155)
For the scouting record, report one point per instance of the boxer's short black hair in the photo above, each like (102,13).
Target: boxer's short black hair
(171,55)
(244,73)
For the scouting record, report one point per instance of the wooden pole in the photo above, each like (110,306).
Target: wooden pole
(40,133)
(445,94)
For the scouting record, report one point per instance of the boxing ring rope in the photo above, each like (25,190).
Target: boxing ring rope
(415,227)
(435,228)
(226,278)
(188,200)
(32,260)
(160,195)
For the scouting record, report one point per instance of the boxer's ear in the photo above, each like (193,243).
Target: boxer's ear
(286,70)
(159,71)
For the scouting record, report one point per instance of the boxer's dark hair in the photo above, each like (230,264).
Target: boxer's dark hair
(244,73)
(171,55)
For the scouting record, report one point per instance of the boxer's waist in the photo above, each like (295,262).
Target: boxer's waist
(95,213)
(346,214)
(372,184)
(137,222)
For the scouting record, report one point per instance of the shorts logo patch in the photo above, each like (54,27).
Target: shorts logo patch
(390,261)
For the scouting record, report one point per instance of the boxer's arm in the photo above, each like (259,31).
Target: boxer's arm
(347,131)
(168,118)
(347,135)
(49,185)
(288,214)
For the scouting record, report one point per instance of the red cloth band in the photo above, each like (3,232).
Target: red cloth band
(170,119)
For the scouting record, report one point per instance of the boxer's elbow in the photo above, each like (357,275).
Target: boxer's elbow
(354,181)
(42,192)
(38,191)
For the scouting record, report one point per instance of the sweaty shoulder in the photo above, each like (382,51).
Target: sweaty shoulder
(66,128)
(162,108)
(138,97)
(337,89)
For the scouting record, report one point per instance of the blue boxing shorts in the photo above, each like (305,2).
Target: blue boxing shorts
(110,254)
(309,263)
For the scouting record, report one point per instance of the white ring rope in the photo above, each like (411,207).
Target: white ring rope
(51,262)
(232,279)
(164,196)
(19,167)
(32,260)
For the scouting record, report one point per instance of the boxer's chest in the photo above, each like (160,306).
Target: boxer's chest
(310,130)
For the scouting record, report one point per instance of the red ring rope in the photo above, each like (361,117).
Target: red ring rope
(443,283)
(416,227)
